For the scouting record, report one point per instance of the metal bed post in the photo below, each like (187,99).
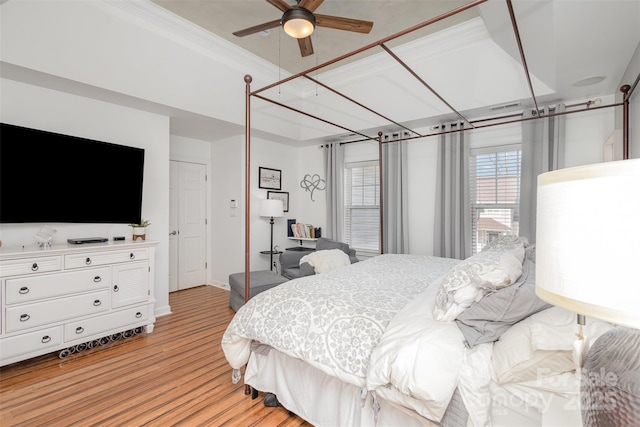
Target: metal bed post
(625,121)
(247,203)
(381,203)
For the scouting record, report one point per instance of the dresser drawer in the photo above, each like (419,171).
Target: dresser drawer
(26,289)
(103,258)
(30,342)
(118,321)
(20,267)
(26,316)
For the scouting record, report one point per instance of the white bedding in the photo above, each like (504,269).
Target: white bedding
(418,359)
(333,321)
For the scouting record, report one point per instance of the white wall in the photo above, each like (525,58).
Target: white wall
(310,162)
(227,225)
(586,134)
(36,107)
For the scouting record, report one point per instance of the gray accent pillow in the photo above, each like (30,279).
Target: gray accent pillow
(487,319)
(306,269)
(325,244)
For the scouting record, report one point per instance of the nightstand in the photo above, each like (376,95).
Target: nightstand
(272,253)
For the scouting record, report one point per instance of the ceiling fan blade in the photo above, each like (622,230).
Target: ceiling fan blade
(280,4)
(346,24)
(310,5)
(306,48)
(257,28)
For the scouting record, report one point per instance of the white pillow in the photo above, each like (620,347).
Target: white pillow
(541,345)
(326,260)
(468,281)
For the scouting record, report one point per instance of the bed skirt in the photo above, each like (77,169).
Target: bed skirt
(325,401)
(320,399)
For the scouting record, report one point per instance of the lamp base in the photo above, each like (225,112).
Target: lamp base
(610,383)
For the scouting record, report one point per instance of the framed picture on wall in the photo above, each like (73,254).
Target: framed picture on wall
(280,195)
(269,178)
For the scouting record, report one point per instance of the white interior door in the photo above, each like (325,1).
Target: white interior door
(188,220)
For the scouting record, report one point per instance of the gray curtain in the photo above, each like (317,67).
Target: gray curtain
(452,238)
(395,195)
(334,171)
(542,151)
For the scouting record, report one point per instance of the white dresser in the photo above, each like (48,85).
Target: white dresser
(70,295)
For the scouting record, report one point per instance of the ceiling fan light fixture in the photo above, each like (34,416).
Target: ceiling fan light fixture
(298,22)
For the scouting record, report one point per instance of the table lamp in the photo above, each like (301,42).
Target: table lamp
(588,261)
(271,208)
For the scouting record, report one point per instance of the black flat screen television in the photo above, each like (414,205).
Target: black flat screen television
(47,177)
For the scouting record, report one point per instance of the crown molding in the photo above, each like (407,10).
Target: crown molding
(168,24)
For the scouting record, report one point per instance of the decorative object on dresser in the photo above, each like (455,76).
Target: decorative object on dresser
(140,229)
(72,297)
(592,270)
(45,235)
(271,208)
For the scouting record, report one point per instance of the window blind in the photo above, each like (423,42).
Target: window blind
(362,205)
(495,191)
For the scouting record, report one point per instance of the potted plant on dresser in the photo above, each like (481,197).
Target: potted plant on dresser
(139,230)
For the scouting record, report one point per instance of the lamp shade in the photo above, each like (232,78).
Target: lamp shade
(588,240)
(298,22)
(271,208)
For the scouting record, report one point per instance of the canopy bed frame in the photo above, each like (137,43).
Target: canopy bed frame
(627,91)
(470,124)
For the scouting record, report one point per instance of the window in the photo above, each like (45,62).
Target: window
(495,192)
(362,205)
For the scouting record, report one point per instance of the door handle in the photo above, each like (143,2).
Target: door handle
(173,233)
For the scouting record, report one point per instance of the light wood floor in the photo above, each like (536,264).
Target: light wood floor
(176,375)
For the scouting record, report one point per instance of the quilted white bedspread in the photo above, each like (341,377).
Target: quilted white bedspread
(333,321)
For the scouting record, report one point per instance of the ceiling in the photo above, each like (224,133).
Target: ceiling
(223,17)
(564,41)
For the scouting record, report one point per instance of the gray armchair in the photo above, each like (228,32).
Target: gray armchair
(290,260)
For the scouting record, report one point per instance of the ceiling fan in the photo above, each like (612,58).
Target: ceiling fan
(299,21)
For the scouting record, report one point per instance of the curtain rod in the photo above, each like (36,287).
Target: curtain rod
(587,107)
(521,119)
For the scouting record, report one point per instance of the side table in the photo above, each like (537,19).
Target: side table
(271,253)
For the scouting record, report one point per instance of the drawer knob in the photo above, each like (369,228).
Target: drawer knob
(116,288)
(79,330)
(46,339)
(132,256)
(87,261)
(34,267)
(138,315)
(97,302)
(24,317)
(23,290)
(97,279)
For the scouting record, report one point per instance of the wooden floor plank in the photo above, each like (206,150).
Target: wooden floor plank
(177,376)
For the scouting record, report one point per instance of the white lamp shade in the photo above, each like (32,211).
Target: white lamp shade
(271,208)
(588,240)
